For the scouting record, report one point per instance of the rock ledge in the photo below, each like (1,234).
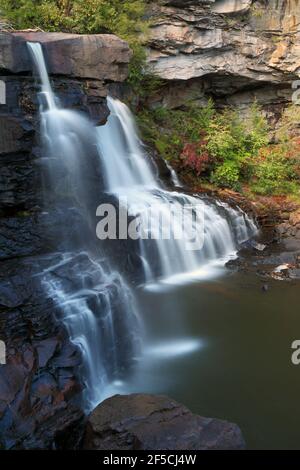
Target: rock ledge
(156,422)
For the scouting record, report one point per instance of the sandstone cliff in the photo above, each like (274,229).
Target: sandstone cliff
(235,51)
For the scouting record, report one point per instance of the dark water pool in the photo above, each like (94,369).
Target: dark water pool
(223,348)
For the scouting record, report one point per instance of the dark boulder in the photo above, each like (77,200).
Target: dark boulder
(155,422)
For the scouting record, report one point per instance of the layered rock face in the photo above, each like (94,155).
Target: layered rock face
(235,51)
(39,385)
(154,422)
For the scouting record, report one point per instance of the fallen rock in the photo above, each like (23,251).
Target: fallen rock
(156,422)
(281,272)
(252,244)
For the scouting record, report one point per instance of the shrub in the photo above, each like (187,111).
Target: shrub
(227,175)
(277,168)
(204,141)
(196,157)
(231,138)
(170,131)
(275,172)
(122,17)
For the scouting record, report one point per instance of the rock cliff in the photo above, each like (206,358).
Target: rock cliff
(39,385)
(235,51)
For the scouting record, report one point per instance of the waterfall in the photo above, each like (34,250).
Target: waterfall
(130,176)
(96,305)
(92,298)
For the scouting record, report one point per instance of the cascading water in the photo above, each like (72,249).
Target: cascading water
(129,176)
(97,306)
(174,177)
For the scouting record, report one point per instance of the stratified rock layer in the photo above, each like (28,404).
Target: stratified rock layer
(235,51)
(154,422)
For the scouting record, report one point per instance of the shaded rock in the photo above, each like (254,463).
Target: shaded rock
(154,422)
(12,134)
(35,403)
(279,260)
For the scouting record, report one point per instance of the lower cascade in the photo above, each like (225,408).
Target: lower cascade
(97,306)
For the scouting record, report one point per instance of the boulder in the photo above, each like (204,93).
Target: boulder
(154,422)
(99,56)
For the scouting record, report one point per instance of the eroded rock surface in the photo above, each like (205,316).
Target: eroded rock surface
(235,50)
(154,422)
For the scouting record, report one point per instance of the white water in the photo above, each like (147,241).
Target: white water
(174,177)
(129,175)
(98,308)
(124,162)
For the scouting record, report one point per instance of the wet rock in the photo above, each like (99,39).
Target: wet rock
(253,244)
(13,134)
(154,422)
(279,260)
(35,404)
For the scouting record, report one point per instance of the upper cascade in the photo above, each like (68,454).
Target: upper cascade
(125,165)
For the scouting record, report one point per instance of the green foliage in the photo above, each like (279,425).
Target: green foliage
(276,172)
(80,16)
(227,175)
(225,149)
(169,130)
(277,168)
(231,138)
